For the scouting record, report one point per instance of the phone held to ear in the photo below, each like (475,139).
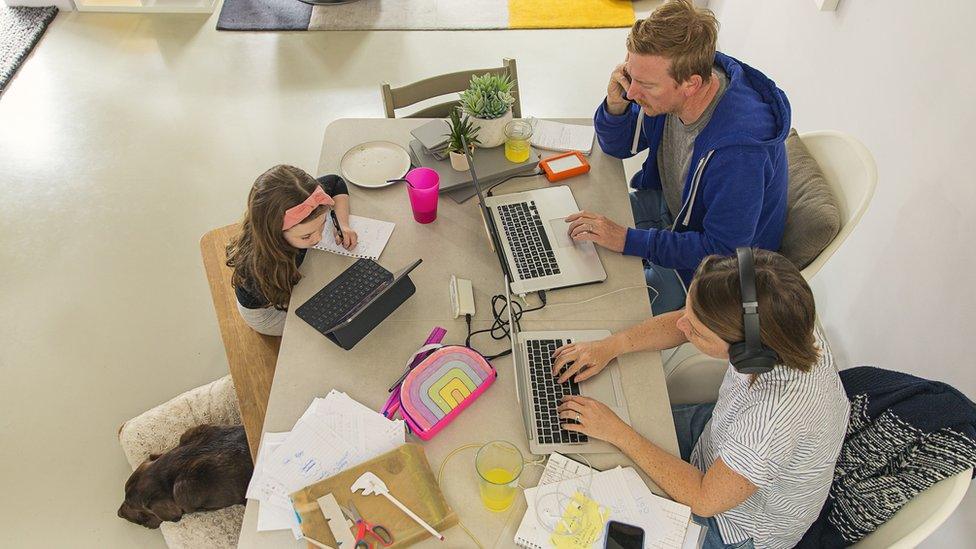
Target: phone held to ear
(624,536)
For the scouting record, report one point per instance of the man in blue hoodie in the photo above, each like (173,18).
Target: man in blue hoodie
(716,175)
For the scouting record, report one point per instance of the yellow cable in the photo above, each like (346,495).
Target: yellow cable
(440,471)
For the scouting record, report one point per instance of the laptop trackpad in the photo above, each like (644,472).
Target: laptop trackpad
(600,387)
(560,229)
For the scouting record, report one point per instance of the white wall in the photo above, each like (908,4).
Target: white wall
(900,76)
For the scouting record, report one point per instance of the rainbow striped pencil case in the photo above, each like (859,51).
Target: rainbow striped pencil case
(443,384)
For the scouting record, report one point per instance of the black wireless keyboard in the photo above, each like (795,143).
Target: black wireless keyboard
(343,296)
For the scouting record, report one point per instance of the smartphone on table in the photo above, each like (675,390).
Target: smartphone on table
(624,536)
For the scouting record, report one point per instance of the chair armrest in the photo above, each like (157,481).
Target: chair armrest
(693,377)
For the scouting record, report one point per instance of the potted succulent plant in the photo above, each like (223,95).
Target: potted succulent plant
(488,101)
(460,127)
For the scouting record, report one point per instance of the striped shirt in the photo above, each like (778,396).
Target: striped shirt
(783,434)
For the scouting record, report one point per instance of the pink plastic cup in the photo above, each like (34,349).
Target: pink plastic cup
(423,185)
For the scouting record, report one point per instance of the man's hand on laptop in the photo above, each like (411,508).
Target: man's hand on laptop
(597,228)
(583,360)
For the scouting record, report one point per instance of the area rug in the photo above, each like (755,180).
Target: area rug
(425,15)
(20,29)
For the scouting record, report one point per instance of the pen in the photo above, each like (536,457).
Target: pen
(337,227)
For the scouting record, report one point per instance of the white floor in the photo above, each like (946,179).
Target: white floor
(122,140)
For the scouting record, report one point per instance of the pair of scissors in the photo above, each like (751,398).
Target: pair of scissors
(363,528)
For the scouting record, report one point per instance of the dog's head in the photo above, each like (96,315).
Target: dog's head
(148,499)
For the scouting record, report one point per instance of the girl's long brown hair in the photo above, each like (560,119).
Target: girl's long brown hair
(262,259)
(787,311)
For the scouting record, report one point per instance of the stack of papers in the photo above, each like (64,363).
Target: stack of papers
(334,434)
(556,136)
(622,490)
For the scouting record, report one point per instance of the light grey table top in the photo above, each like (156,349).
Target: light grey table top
(456,243)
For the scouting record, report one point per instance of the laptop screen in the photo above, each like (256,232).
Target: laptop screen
(496,241)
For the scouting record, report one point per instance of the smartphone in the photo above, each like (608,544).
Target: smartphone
(627,76)
(624,536)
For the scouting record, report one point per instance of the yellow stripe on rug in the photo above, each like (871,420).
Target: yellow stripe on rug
(569,14)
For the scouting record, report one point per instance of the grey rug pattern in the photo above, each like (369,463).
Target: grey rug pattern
(20,29)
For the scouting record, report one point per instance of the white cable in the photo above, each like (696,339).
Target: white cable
(606,294)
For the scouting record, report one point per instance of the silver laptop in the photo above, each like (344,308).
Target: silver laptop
(538,393)
(530,236)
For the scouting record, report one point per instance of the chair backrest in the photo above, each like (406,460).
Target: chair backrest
(436,86)
(851,172)
(921,516)
(251,357)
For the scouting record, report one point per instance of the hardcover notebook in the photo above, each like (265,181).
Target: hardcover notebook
(373,236)
(491,165)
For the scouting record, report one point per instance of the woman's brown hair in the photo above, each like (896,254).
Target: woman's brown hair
(262,259)
(680,32)
(787,312)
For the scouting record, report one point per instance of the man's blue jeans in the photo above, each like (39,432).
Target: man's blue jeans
(651,212)
(689,423)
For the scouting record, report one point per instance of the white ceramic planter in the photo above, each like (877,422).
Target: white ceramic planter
(458,161)
(491,132)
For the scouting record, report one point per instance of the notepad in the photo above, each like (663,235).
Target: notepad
(556,136)
(373,235)
(622,490)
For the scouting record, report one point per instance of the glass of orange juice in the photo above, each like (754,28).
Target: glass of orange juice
(518,135)
(499,465)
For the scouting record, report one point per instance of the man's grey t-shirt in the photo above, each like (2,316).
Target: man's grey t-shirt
(677,144)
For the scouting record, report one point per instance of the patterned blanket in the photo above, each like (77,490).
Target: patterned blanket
(905,434)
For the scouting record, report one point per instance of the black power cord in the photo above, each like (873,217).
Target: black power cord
(534,173)
(499,326)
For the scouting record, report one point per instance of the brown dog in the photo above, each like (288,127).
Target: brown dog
(209,470)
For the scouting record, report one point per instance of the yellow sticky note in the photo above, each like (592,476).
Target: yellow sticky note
(581,525)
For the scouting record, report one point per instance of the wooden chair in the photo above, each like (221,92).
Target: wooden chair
(436,86)
(251,357)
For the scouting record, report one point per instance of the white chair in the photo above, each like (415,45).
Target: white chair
(851,172)
(921,516)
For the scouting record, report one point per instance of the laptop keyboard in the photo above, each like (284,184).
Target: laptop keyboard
(526,235)
(340,297)
(546,393)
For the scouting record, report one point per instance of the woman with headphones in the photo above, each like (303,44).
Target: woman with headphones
(757,465)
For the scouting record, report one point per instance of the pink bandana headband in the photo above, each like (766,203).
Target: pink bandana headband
(297,214)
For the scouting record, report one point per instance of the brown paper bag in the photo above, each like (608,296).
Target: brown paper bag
(408,476)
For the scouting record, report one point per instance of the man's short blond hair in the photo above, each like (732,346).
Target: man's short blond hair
(680,32)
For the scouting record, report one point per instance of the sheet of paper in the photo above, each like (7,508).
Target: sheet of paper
(556,136)
(372,236)
(665,522)
(311,452)
(692,537)
(269,443)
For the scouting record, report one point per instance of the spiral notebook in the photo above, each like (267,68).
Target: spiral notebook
(665,522)
(373,235)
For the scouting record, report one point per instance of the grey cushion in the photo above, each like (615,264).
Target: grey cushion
(813,217)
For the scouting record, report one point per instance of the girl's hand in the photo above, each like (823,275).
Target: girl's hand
(592,418)
(349,238)
(584,359)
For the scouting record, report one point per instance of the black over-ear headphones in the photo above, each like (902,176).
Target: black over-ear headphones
(750,356)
